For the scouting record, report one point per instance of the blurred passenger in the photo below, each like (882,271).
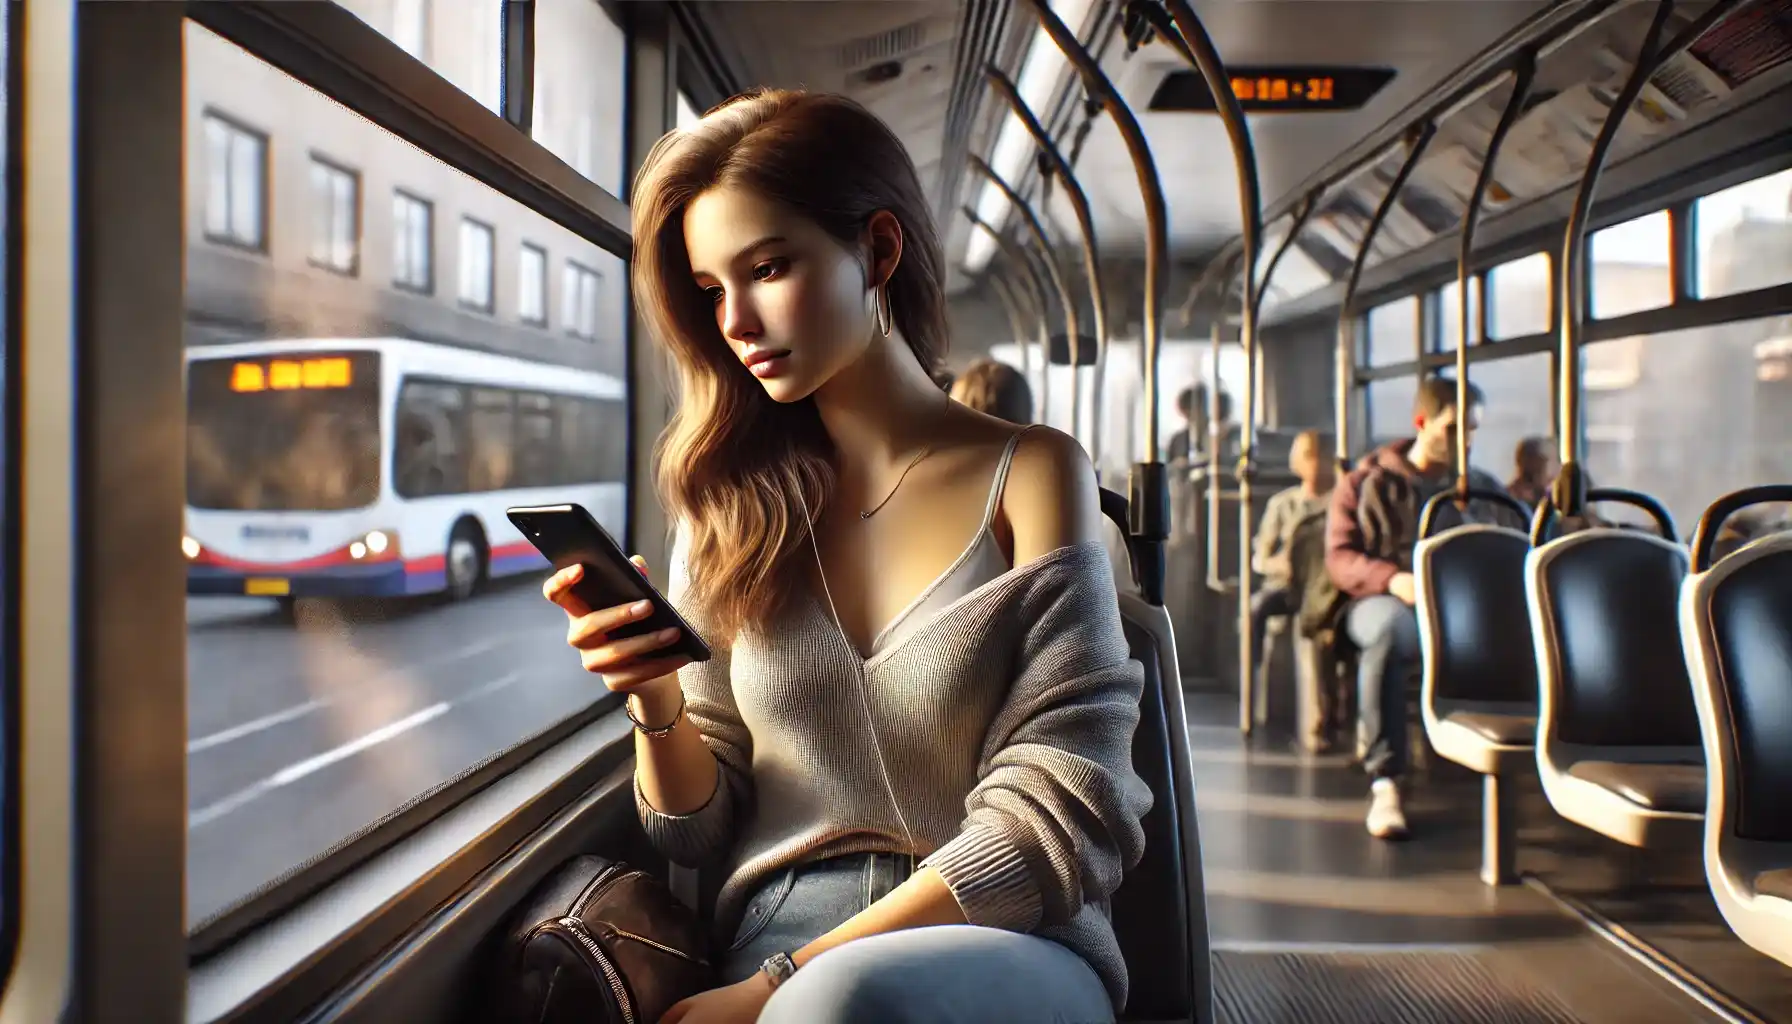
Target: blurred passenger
(943,377)
(938,773)
(1536,468)
(1371,527)
(1191,405)
(996,388)
(1308,499)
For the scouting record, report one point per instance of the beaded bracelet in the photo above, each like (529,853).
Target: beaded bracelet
(664,730)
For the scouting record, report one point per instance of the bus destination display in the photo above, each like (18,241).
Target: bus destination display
(292,374)
(1267,88)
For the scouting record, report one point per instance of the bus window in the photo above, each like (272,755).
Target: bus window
(580,86)
(351,438)
(1394,332)
(491,448)
(1449,316)
(429,450)
(1662,434)
(1630,267)
(1518,297)
(1517,404)
(1390,411)
(462,41)
(1743,234)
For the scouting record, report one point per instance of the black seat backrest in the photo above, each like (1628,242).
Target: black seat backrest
(1612,601)
(1480,626)
(1751,628)
(1150,908)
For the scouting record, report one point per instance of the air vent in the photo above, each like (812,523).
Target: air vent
(884,46)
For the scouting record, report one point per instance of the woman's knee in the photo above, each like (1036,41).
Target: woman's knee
(850,983)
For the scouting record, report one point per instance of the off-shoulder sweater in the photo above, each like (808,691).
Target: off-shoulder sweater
(1006,723)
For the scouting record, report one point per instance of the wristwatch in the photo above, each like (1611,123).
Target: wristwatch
(778,968)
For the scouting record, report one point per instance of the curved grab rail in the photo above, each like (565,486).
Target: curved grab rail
(1704,537)
(1428,514)
(1148,496)
(1053,272)
(1523,76)
(1416,142)
(1085,219)
(1035,291)
(1545,517)
(1573,284)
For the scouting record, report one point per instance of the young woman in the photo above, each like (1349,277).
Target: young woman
(910,756)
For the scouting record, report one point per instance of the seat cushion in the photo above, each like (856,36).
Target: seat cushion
(1777,884)
(1657,787)
(1506,730)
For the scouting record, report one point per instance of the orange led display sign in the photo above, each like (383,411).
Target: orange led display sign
(1264,89)
(292,375)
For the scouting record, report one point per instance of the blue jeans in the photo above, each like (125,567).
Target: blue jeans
(1385,632)
(955,974)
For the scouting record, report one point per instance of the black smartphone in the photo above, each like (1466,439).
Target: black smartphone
(568,535)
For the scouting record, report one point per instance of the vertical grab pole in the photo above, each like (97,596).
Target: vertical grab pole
(1244,159)
(1079,200)
(1569,493)
(1521,90)
(1053,272)
(1035,288)
(1216,427)
(1416,141)
(1016,323)
(1149,496)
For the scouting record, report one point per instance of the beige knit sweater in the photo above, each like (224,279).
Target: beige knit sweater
(1006,724)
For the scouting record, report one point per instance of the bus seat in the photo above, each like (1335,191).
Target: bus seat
(1160,910)
(1478,697)
(1618,746)
(1737,623)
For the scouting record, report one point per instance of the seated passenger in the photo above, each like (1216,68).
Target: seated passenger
(996,388)
(1286,511)
(911,754)
(1371,528)
(1536,468)
(943,377)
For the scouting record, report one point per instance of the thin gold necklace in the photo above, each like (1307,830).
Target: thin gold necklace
(922,454)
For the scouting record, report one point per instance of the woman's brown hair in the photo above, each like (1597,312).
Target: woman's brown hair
(997,389)
(736,467)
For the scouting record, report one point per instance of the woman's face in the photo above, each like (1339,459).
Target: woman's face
(793,304)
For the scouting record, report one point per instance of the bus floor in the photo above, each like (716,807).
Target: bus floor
(1312,920)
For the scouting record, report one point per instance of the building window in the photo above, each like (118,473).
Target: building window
(335,217)
(236,175)
(579,301)
(532,285)
(413,237)
(476,248)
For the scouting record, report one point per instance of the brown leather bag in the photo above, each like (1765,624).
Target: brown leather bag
(601,941)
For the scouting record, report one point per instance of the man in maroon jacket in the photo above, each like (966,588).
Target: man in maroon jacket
(1371,527)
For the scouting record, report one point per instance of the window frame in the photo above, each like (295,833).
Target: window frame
(427,286)
(263,181)
(357,216)
(490,306)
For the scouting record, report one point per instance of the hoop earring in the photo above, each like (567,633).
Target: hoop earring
(880,309)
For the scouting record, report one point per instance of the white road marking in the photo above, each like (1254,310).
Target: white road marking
(250,728)
(294,772)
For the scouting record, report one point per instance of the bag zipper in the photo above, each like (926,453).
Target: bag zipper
(661,946)
(595,888)
(576,928)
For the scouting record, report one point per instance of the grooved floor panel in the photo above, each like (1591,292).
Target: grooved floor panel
(1411,987)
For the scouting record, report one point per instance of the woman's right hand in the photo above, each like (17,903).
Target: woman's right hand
(628,664)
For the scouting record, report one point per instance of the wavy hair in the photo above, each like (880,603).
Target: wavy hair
(735,466)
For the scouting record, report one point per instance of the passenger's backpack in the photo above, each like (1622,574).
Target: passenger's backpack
(1321,601)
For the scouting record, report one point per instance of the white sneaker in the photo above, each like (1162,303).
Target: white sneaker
(1386,819)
